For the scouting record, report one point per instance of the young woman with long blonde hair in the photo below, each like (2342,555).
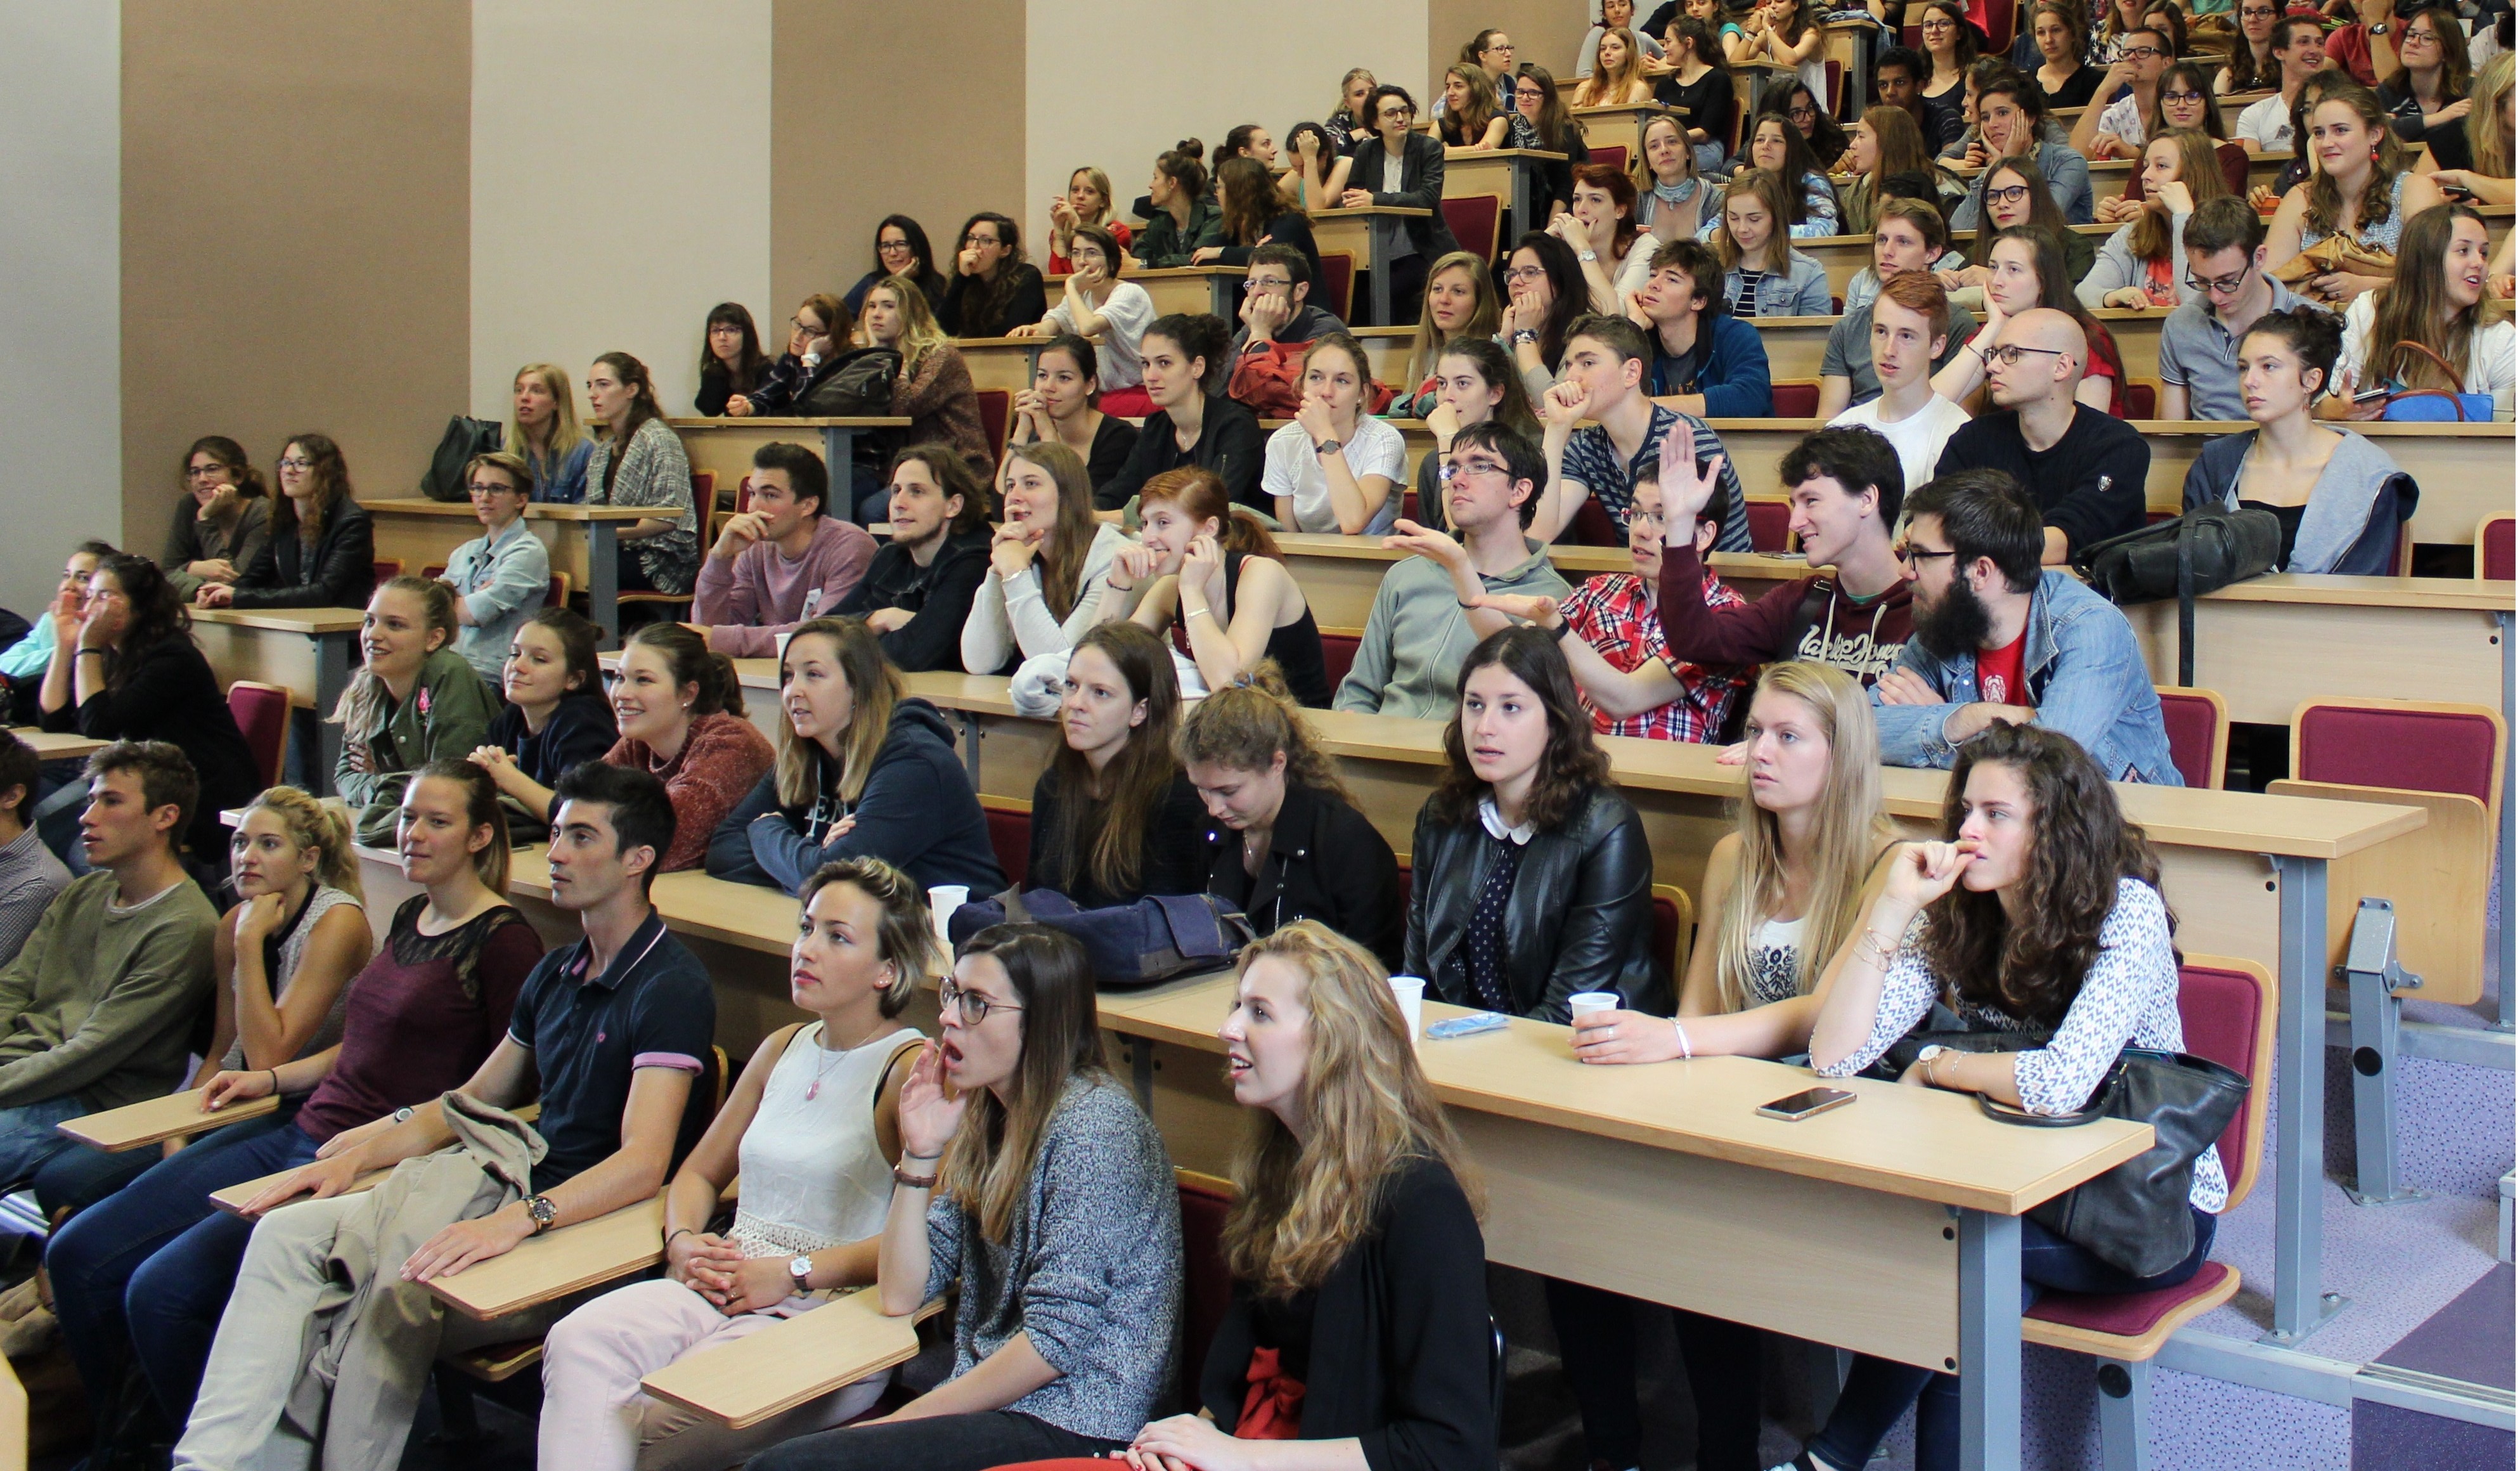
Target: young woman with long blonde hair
(543,430)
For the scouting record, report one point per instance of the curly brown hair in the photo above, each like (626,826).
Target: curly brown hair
(2081,846)
(1571,765)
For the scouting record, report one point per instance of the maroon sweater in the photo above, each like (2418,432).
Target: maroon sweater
(1811,619)
(422,1016)
(721,759)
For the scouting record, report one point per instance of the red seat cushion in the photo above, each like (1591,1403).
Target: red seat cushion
(2126,1315)
(2140,401)
(2412,749)
(1615,156)
(1796,401)
(1337,285)
(2496,551)
(1207,1288)
(1339,655)
(1011,834)
(997,406)
(1473,223)
(1769,524)
(1593,526)
(2222,1014)
(2189,723)
(262,716)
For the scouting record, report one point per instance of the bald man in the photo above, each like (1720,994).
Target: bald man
(2084,469)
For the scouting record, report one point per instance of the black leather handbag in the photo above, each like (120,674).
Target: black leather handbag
(2200,552)
(2134,1217)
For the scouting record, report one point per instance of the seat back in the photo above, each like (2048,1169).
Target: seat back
(1335,294)
(1011,836)
(705,488)
(997,409)
(2414,745)
(1338,654)
(1615,156)
(387,569)
(2199,726)
(1593,525)
(1672,914)
(2494,548)
(1472,219)
(1834,70)
(558,596)
(1796,398)
(1207,1288)
(261,711)
(2143,398)
(1767,525)
(2227,1014)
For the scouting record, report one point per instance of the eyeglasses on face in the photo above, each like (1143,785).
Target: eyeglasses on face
(2142,53)
(810,329)
(1802,113)
(976,238)
(293,462)
(489,488)
(2011,352)
(973,1008)
(1912,554)
(2219,286)
(2184,98)
(2010,194)
(1476,464)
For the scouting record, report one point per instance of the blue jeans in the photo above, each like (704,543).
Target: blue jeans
(28,1137)
(148,1270)
(77,1178)
(1878,1391)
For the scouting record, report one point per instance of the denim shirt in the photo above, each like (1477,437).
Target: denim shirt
(2085,675)
(1800,290)
(503,580)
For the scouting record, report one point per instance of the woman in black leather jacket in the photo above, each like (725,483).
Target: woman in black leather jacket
(1527,787)
(322,551)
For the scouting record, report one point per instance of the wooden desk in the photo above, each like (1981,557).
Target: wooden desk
(1341,575)
(1842,256)
(1352,231)
(306,651)
(1003,362)
(547,1268)
(580,540)
(232,1198)
(1838,1229)
(2268,644)
(154,1120)
(58,745)
(771,1372)
(1509,173)
(725,447)
(1616,127)
(1191,289)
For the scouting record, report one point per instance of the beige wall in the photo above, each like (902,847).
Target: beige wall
(1545,31)
(1115,83)
(294,234)
(860,129)
(621,185)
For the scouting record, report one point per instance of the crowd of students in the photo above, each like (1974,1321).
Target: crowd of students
(1118,563)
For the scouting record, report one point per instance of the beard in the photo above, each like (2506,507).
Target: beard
(1957,623)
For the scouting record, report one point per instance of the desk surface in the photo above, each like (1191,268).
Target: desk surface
(871,420)
(1921,1143)
(1135,272)
(547,1268)
(314,621)
(58,745)
(154,1121)
(456,510)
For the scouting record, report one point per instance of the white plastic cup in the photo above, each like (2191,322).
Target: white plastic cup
(942,901)
(1584,1003)
(1410,992)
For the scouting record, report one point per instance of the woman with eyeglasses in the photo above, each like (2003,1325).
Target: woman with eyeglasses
(1029,1179)
(222,518)
(1819,131)
(1552,129)
(2014,194)
(994,290)
(1492,52)
(1406,169)
(2057,29)
(900,250)
(2182,101)
(2427,92)
(731,361)
(2145,262)
(2250,65)
(1474,382)
(503,575)
(818,337)
(322,551)
(1949,44)
(1545,291)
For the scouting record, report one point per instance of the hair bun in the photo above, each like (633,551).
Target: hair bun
(1189,146)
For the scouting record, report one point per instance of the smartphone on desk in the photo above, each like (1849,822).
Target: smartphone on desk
(1793,1107)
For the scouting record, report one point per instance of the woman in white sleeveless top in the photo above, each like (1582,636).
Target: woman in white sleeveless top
(813,1127)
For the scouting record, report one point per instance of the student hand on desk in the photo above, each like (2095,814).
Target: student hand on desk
(1186,1443)
(214,595)
(320,1180)
(1626,1036)
(1356,198)
(703,1261)
(225,1089)
(1970,722)
(213,569)
(466,1242)
(738,406)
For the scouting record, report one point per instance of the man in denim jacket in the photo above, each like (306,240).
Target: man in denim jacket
(1999,639)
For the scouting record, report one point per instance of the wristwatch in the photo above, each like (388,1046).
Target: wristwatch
(2380,29)
(1326,446)
(799,1270)
(1586,257)
(1925,1056)
(544,1210)
(1525,335)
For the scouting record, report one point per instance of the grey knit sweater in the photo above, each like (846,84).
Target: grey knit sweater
(1091,1273)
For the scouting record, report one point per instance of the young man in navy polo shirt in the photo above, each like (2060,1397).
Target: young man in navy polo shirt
(611,1034)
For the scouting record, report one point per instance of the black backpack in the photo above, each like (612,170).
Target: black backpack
(859,385)
(463,439)
(2198,553)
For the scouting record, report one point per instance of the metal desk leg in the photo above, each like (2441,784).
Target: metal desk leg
(1990,1365)
(1380,293)
(839,447)
(2498,939)
(604,577)
(971,749)
(1220,296)
(1523,220)
(332,676)
(2300,1097)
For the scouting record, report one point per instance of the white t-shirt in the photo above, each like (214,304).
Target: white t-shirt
(1290,468)
(2268,123)
(1919,437)
(1126,316)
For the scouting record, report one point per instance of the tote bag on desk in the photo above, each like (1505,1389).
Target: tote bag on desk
(2434,405)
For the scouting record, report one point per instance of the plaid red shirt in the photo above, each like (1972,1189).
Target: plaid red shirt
(1615,614)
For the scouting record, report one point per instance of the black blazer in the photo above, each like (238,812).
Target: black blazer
(1401,1347)
(341,573)
(1581,916)
(1417,184)
(1324,862)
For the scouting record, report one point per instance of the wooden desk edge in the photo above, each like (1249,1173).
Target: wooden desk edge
(450,1289)
(176,1125)
(754,1416)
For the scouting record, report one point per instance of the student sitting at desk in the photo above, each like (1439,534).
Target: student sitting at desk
(1846,491)
(322,551)
(2200,342)
(1210,577)
(1474,382)
(818,337)
(2028,814)
(543,432)
(2366,191)
(1065,404)
(1409,661)
(502,575)
(1276,283)
(2433,300)
(125,667)
(1286,841)
(2083,467)
(2339,497)
(1096,302)
(2140,265)
(1399,168)
(993,290)
(680,712)
(731,361)
(1706,362)
(1618,654)
(416,701)
(1254,216)
(1190,425)
(1179,211)
(641,463)
(861,772)
(222,519)
(1784,890)
(933,390)
(785,560)
(1086,201)
(1910,325)
(30,875)
(146,1273)
(816,1184)
(1607,360)
(1360,1309)
(1907,235)
(2001,641)
(1336,469)
(1600,225)
(1045,565)
(1461,305)
(557,716)
(1113,819)
(1059,1219)
(611,1033)
(900,250)
(917,593)
(1764,275)
(1545,293)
